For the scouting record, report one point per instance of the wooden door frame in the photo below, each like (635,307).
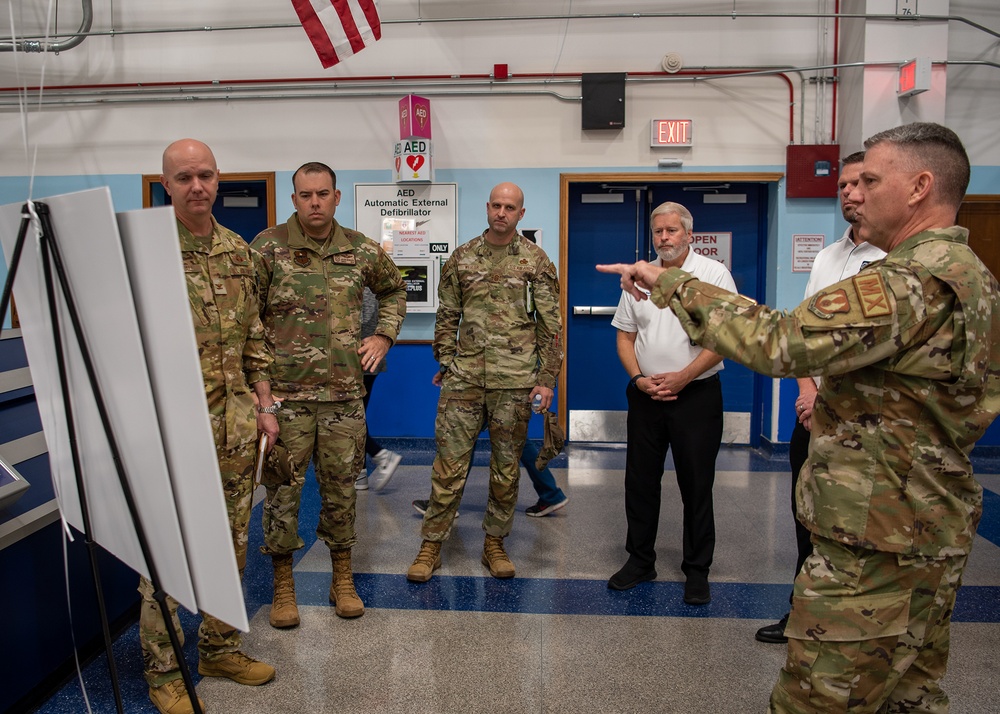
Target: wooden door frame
(567,179)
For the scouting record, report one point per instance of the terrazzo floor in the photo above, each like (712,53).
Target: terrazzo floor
(554,639)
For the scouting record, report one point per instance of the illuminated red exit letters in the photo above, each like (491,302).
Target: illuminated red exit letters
(671,132)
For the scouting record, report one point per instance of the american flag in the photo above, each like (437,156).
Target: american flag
(339,28)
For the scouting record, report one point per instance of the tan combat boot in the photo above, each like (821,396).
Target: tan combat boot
(238,667)
(495,558)
(342,592)
(428,560)
(172,698)
(284,611)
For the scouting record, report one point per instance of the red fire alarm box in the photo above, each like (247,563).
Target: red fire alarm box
(811,170)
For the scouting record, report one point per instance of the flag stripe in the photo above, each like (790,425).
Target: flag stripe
(338,28)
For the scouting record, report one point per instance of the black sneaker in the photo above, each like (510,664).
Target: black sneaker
(542,509)
(697,591)
(773,634)
(630,576)
(420,506)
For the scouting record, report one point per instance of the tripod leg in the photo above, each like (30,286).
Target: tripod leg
(15,259)
(77,470)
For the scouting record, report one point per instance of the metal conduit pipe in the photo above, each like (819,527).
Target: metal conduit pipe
(224,90)
(530,18)
(38,44)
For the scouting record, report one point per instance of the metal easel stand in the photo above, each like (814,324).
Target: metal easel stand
(51,257)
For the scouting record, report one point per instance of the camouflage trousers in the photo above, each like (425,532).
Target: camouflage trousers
(332,436)
(460,416)
(868,632)
(214,636)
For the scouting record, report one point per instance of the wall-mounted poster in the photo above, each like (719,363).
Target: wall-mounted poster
(420,275)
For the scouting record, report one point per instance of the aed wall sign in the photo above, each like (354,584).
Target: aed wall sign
(429,208)
(671,132)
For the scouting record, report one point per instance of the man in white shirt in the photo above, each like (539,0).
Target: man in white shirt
(837,261)
(674,402)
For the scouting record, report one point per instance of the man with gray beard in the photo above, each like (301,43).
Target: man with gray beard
(674,402)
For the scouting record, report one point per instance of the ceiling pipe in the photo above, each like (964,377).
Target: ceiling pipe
(226,90)
(36,44)
(586,16)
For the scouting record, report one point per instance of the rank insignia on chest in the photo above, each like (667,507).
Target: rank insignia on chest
(344,259)
(826,305)
(873,295)
(301,258)
(219,287)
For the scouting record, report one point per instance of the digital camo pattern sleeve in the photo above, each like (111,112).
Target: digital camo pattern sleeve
(911,350)
(892,306)
(548,323)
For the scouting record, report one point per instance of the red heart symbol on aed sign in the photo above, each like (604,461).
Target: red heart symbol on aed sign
(415,162)
(397,164)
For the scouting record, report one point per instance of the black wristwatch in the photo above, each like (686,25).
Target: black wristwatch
(636,378)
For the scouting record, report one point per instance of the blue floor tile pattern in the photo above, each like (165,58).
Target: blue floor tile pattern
(584,597)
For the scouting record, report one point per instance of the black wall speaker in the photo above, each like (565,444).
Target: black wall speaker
(603,100)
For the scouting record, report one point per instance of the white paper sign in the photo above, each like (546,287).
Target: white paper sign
(805,248)
(410,244)
(717,246)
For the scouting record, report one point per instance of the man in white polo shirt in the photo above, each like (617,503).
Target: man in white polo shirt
(674,402)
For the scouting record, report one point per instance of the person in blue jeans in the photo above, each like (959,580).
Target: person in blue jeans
(550,497)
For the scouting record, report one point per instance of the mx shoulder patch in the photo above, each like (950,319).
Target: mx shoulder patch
(872,294)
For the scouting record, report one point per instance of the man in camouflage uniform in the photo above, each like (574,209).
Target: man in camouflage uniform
(312,276)
(910,353)
(497,340)
(221,289)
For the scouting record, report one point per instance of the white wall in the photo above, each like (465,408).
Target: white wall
(740,124)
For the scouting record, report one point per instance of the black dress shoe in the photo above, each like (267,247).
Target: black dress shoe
(630,576)
(696,590)
(773,634)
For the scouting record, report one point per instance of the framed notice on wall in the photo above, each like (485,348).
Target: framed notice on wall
(420,275)
(805,248)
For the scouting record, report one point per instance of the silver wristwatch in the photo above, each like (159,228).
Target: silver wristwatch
(273,409)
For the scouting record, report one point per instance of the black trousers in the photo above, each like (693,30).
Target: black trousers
(372,447)
(798,452)
(692,427)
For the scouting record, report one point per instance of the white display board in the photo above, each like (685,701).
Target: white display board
(433,208)
(86,231)
(156,269)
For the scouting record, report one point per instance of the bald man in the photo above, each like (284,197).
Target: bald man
(497,339)
(234,359)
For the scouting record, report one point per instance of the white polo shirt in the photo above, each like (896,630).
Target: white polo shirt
(661,345)
(839,261)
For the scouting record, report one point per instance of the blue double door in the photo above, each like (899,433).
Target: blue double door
(610,224)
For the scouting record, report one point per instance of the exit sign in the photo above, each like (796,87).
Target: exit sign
(670,132)
(914,77)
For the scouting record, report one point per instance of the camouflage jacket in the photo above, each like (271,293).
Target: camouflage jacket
(228,331)
(910,348)
(311,297)
(498,324)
